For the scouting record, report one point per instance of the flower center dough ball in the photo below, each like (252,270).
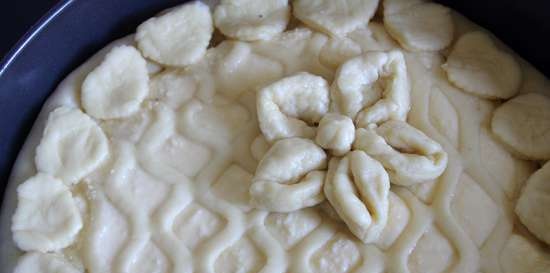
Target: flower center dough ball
(478,67)
(335,17)
(116,87)
(251,20)
(523,125)
(419,25)
(336,133)
(46,218)
(179,37)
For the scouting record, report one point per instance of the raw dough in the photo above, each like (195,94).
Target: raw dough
(46,218)
(478,67)
(335,17)
(523,126)
(532,204)
(250,20)
(72,145)
(167,39)
(222,165)
(116,88)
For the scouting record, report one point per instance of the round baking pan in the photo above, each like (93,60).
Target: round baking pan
(75,29)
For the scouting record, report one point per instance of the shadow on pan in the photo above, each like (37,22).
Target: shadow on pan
(75,29)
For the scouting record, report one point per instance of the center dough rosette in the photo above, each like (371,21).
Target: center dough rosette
(371,91)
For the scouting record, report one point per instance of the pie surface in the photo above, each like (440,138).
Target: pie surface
(244,159)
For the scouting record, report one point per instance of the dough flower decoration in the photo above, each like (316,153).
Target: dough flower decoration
(364,138)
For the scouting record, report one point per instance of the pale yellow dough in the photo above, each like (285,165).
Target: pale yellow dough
(340,143)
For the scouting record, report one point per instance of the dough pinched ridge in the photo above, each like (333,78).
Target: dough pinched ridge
(228,166)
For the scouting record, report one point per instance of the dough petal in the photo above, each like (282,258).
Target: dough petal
(419,26)
(252,20)
(409,156)
(335,17)
(46,218)
(72,145)
(166,38)
(116,88)
(357,187)
(34,262)
(522,124)
(290,176)
(372,88)
(478,67)
(288,107)
(532,205)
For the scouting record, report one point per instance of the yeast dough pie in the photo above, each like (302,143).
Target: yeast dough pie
(277,136)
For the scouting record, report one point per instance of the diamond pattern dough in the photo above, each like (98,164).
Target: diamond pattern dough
(176,188)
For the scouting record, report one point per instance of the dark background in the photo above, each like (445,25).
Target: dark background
(524,25)
(16,17)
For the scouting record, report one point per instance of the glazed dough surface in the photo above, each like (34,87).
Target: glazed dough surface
(173,195)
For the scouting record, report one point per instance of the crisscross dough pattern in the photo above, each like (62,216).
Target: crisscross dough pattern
(176,195)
